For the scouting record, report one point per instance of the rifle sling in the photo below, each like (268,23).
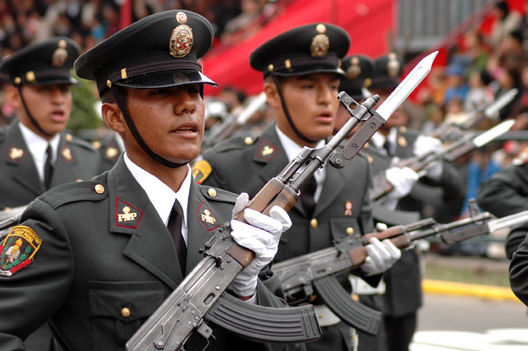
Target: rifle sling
(350,311)
(264,324)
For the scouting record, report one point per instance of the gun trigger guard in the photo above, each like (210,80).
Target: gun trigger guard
(205,331)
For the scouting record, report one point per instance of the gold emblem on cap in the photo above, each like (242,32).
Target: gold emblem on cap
(60,55)
(320,28)
(355,69)
(270,67)
(402,141)
(181,39)
(393,65)
(123,73)
(320,45)
(287,63)
(367,82)
(99,188)
(108,83)
(30,76)
(18,80)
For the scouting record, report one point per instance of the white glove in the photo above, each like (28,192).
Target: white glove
(424,145)
(402,180)
(381,256)
(261,235)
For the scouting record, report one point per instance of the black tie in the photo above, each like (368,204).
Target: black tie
(307,196)
(387,147)
(174,225)
(48,167)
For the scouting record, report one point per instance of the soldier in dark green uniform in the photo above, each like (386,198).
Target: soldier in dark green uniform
(35,151)
(403,295)
(40,93)
(97,257)
(302,73)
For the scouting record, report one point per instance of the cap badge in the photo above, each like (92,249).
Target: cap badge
(393,66)
(181,39)
(60,55)
(354,70)
(320,45)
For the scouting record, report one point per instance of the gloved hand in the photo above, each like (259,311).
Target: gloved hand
(381,256)
(424,145)
(402,180)
(261,235)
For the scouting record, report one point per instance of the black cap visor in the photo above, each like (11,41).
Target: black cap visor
(166,79)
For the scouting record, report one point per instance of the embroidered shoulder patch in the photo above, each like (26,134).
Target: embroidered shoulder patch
(201,171)
(18,249)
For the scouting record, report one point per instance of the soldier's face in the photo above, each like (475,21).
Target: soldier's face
(170,120)
(50,105)
(312,104)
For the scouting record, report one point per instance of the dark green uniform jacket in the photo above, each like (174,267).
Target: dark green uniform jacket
(19,179)
(504,194)
(106,262)
(404,293)
(245,165)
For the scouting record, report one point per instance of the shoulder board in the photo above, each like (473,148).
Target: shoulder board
(215,194)
(80,142)
(93,190)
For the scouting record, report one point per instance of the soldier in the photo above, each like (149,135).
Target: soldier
(35,151)
(403,296)
(101,255)
(302,73)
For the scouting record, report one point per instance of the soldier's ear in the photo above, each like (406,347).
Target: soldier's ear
(113,117)
(272,94)
(13,97)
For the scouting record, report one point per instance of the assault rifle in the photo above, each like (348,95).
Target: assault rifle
(314,273)
(201,296)
(455,130)
(469,142)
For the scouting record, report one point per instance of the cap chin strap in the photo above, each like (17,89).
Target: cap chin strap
(31,118)
(287,113)
(130,123)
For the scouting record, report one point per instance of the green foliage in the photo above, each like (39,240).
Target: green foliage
(84,116)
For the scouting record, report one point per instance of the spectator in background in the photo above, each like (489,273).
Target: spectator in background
(456,83)
(506,20)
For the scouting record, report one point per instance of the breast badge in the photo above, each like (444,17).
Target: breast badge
(207,218)
(127,215)
(18,249)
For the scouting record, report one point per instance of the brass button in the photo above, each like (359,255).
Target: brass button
(355,297)
(125,312)
(350,230)
(248,140)
(313,223)
(99,188)
(211,192)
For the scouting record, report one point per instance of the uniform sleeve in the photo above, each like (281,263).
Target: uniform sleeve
(518,272)
(32,294)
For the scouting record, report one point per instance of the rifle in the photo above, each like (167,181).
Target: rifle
(453,131)
(314,273)
(200,297)
(469,142)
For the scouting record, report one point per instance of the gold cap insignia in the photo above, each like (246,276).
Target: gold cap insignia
(60,55)
(181,39)
(348,208)
(201,171)
(354,70)
(30,76)
(66,153)
(111,152)
(18,80)
(320,45)
(393,66)
(15,153)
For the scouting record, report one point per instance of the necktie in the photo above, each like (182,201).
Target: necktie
(48,167)
(307,196)
(174,226)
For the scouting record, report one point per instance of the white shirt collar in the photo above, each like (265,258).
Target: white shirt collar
(379,139)
(37,146)
(160,194)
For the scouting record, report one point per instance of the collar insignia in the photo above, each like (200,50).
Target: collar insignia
(181,39)
(402,141)
(16,154)
(18,249)
(267,150)
(207,218)
(348,208)
(127,215)
(67,154)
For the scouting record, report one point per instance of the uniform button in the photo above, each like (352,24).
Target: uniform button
(248,140)
(211,192)
(355,297)
(313,223)
(125,312)
(350,230)
(99,188)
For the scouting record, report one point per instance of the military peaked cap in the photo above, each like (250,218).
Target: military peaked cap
(47,62)
(312,48)
(158,51)
(358,69)
(387,72)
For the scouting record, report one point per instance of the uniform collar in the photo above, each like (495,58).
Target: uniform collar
(379,139)
(37,145)
(160,195)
